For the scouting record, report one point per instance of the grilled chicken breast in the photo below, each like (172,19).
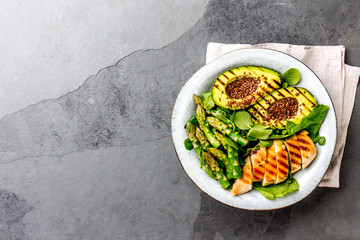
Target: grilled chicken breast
(293,146)
(282,160)
(307,147)
(270,166)
(258,161)
(243,184)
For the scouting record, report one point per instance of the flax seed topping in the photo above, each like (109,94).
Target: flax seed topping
(284,108)
(242,87)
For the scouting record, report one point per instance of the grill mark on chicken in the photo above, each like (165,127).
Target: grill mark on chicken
(271,170)
(293,145)
(282,171)
(303,141)
(304,148)
(257,170)
(244,180)
(294,154)
(283,164)
(282,154)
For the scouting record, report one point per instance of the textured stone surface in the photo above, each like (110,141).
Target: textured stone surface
(98,162)
(50,48)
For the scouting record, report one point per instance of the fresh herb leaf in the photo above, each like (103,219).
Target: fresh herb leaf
(291,76)
(243,120)
(188,144)
(277,190)
(322,141)
(266,143)
(208,100)
(260,131)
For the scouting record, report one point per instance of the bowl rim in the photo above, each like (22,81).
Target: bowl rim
(264,209)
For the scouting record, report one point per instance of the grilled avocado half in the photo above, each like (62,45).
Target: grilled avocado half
(241,87)
(285,104)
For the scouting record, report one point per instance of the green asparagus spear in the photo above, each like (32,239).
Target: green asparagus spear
(218,154)
(191,131)
(224,159)
(223,128)
(198,100)
(202,139)
(201,117)
(233,167)
(221,115)
(216,169)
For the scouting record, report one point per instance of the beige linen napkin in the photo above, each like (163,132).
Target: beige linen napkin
(328,62)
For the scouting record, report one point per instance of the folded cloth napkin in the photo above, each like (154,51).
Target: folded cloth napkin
(340,79)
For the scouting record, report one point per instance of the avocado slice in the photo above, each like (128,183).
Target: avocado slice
(285,104)
(241,87)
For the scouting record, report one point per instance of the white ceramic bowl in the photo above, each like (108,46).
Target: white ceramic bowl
(203,80)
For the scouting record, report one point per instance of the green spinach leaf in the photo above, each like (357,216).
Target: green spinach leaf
(260,131)
(291,76)
(243,120)
(208,100)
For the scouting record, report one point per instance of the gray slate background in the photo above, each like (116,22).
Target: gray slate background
(98,162)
